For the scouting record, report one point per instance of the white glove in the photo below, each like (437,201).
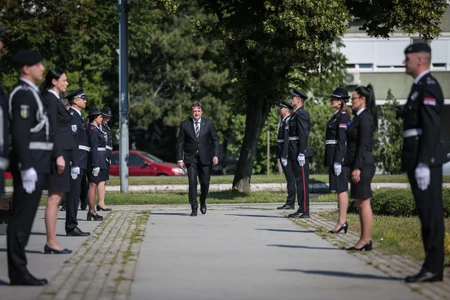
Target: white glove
(95,171)
(74,172)
(337,168)
(284,162)
(301,160)
(29,179)
(422,174)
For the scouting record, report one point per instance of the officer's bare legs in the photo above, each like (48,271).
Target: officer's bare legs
(101,190)
(91,196)
(51,216)
(343,205)
(365,218)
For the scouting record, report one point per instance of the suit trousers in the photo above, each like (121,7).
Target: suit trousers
(431,214)
(290,180)
(196,168)
(301,175)
(24,207)
(84,187)
(72,199)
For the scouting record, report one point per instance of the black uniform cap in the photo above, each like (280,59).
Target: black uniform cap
(286,104)
(27,58)
(106,111)
(340,93)
(297,93)
(78,93)
(94,112)
(419,47)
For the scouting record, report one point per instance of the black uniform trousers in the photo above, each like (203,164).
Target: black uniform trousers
(84,187)
(290,183)
(431,214)
(196,168)
(72,199)
(24,207)
(301,175)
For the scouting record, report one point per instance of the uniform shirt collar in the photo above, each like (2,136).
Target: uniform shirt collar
(286,117)
(54,93)
(298,108)
(30,84)
(360,111)
(417,79)
(75,109)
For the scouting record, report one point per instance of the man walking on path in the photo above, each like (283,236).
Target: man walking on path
(197,148)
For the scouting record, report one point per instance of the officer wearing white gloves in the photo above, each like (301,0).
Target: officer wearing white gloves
(283,152)
(423,156)
(30,161)
(299,152)
(335,151)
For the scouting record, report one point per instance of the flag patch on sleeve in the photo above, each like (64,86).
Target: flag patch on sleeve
(342,125)
(429,101)
(286,127)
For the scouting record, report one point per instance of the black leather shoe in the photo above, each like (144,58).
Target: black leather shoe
(83,206)
(295,215)
(94,216)
(424,276)
(99,208)
(203,208)
(48,250)
(77,232)
(366,247)
(285,207)
(303,216)
(193,213)
(28,280)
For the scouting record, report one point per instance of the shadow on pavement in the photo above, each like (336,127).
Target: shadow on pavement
(342,274)
(169,214)
(286,230)
(304,247)
(26,251)
(44,233)
(258,216)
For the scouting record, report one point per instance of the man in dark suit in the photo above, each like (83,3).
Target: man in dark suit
(282,154)
(423,156)
(30,161)
(299,152)
(4,137)
(197,149)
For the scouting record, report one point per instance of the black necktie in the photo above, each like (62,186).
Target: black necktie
(197,129)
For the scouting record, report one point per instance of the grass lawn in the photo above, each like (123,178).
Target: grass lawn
(394,235)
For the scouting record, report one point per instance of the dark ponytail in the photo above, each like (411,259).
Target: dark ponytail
(51,74)
(369,95)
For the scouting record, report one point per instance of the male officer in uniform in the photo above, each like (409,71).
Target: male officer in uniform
(299,152)
(423,156)
(4,137)
(283,151)
(30,161)
(77,100)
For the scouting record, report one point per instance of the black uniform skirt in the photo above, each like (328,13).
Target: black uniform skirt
(102,176)
(59,182)
(362,190)
(338,183)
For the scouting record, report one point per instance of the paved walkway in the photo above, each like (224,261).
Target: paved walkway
(233,252)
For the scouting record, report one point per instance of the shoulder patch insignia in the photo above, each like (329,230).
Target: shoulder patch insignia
(24,111)
(429,101)
(71,113)
(431,80)
(342,125)
(74,128)
(414,95)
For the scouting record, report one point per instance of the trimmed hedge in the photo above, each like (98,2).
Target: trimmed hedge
(398,203)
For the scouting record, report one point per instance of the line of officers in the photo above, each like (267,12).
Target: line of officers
(53,148)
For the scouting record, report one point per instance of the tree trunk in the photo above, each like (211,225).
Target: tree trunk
(225,155)
(256,115)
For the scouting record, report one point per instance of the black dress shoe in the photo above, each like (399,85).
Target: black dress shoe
(28,280)
(193,213)
(77,232)
(295,215)
(99,208)
(94,216)
(366,247)
(285,207)
(83,206)
(48,250)
(303,216)
(424,276)
(203,208)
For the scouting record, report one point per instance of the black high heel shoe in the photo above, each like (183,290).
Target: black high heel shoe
(366,247)
(48,250)
(99,208)
(343,227)
(94,216)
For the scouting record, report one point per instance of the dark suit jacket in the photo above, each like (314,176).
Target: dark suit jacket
(80,133)
(299,126)
(336,130)
(360,141)
(207,144)
(283,138)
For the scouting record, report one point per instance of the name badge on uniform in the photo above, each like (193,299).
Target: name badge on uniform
(414,95)
(74,128)
(24,111)
(429,101)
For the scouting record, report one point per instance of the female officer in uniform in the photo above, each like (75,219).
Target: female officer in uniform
(58,182)
(335,150)
(360,161)
(99,167)
(106,113)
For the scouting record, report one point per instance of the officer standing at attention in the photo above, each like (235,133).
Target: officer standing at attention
(30,161)
(423,156)
(106,113)
(299,152)
(283,151)
(4,137)
(77,100)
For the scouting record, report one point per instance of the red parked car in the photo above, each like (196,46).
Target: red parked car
(141,163)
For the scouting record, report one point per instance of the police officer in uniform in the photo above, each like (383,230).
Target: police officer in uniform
(30,161)
(282,154)
(423,156)
(335,151)
(4,138)
(99,166)
(299,152)
(106,113)
(77,100)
